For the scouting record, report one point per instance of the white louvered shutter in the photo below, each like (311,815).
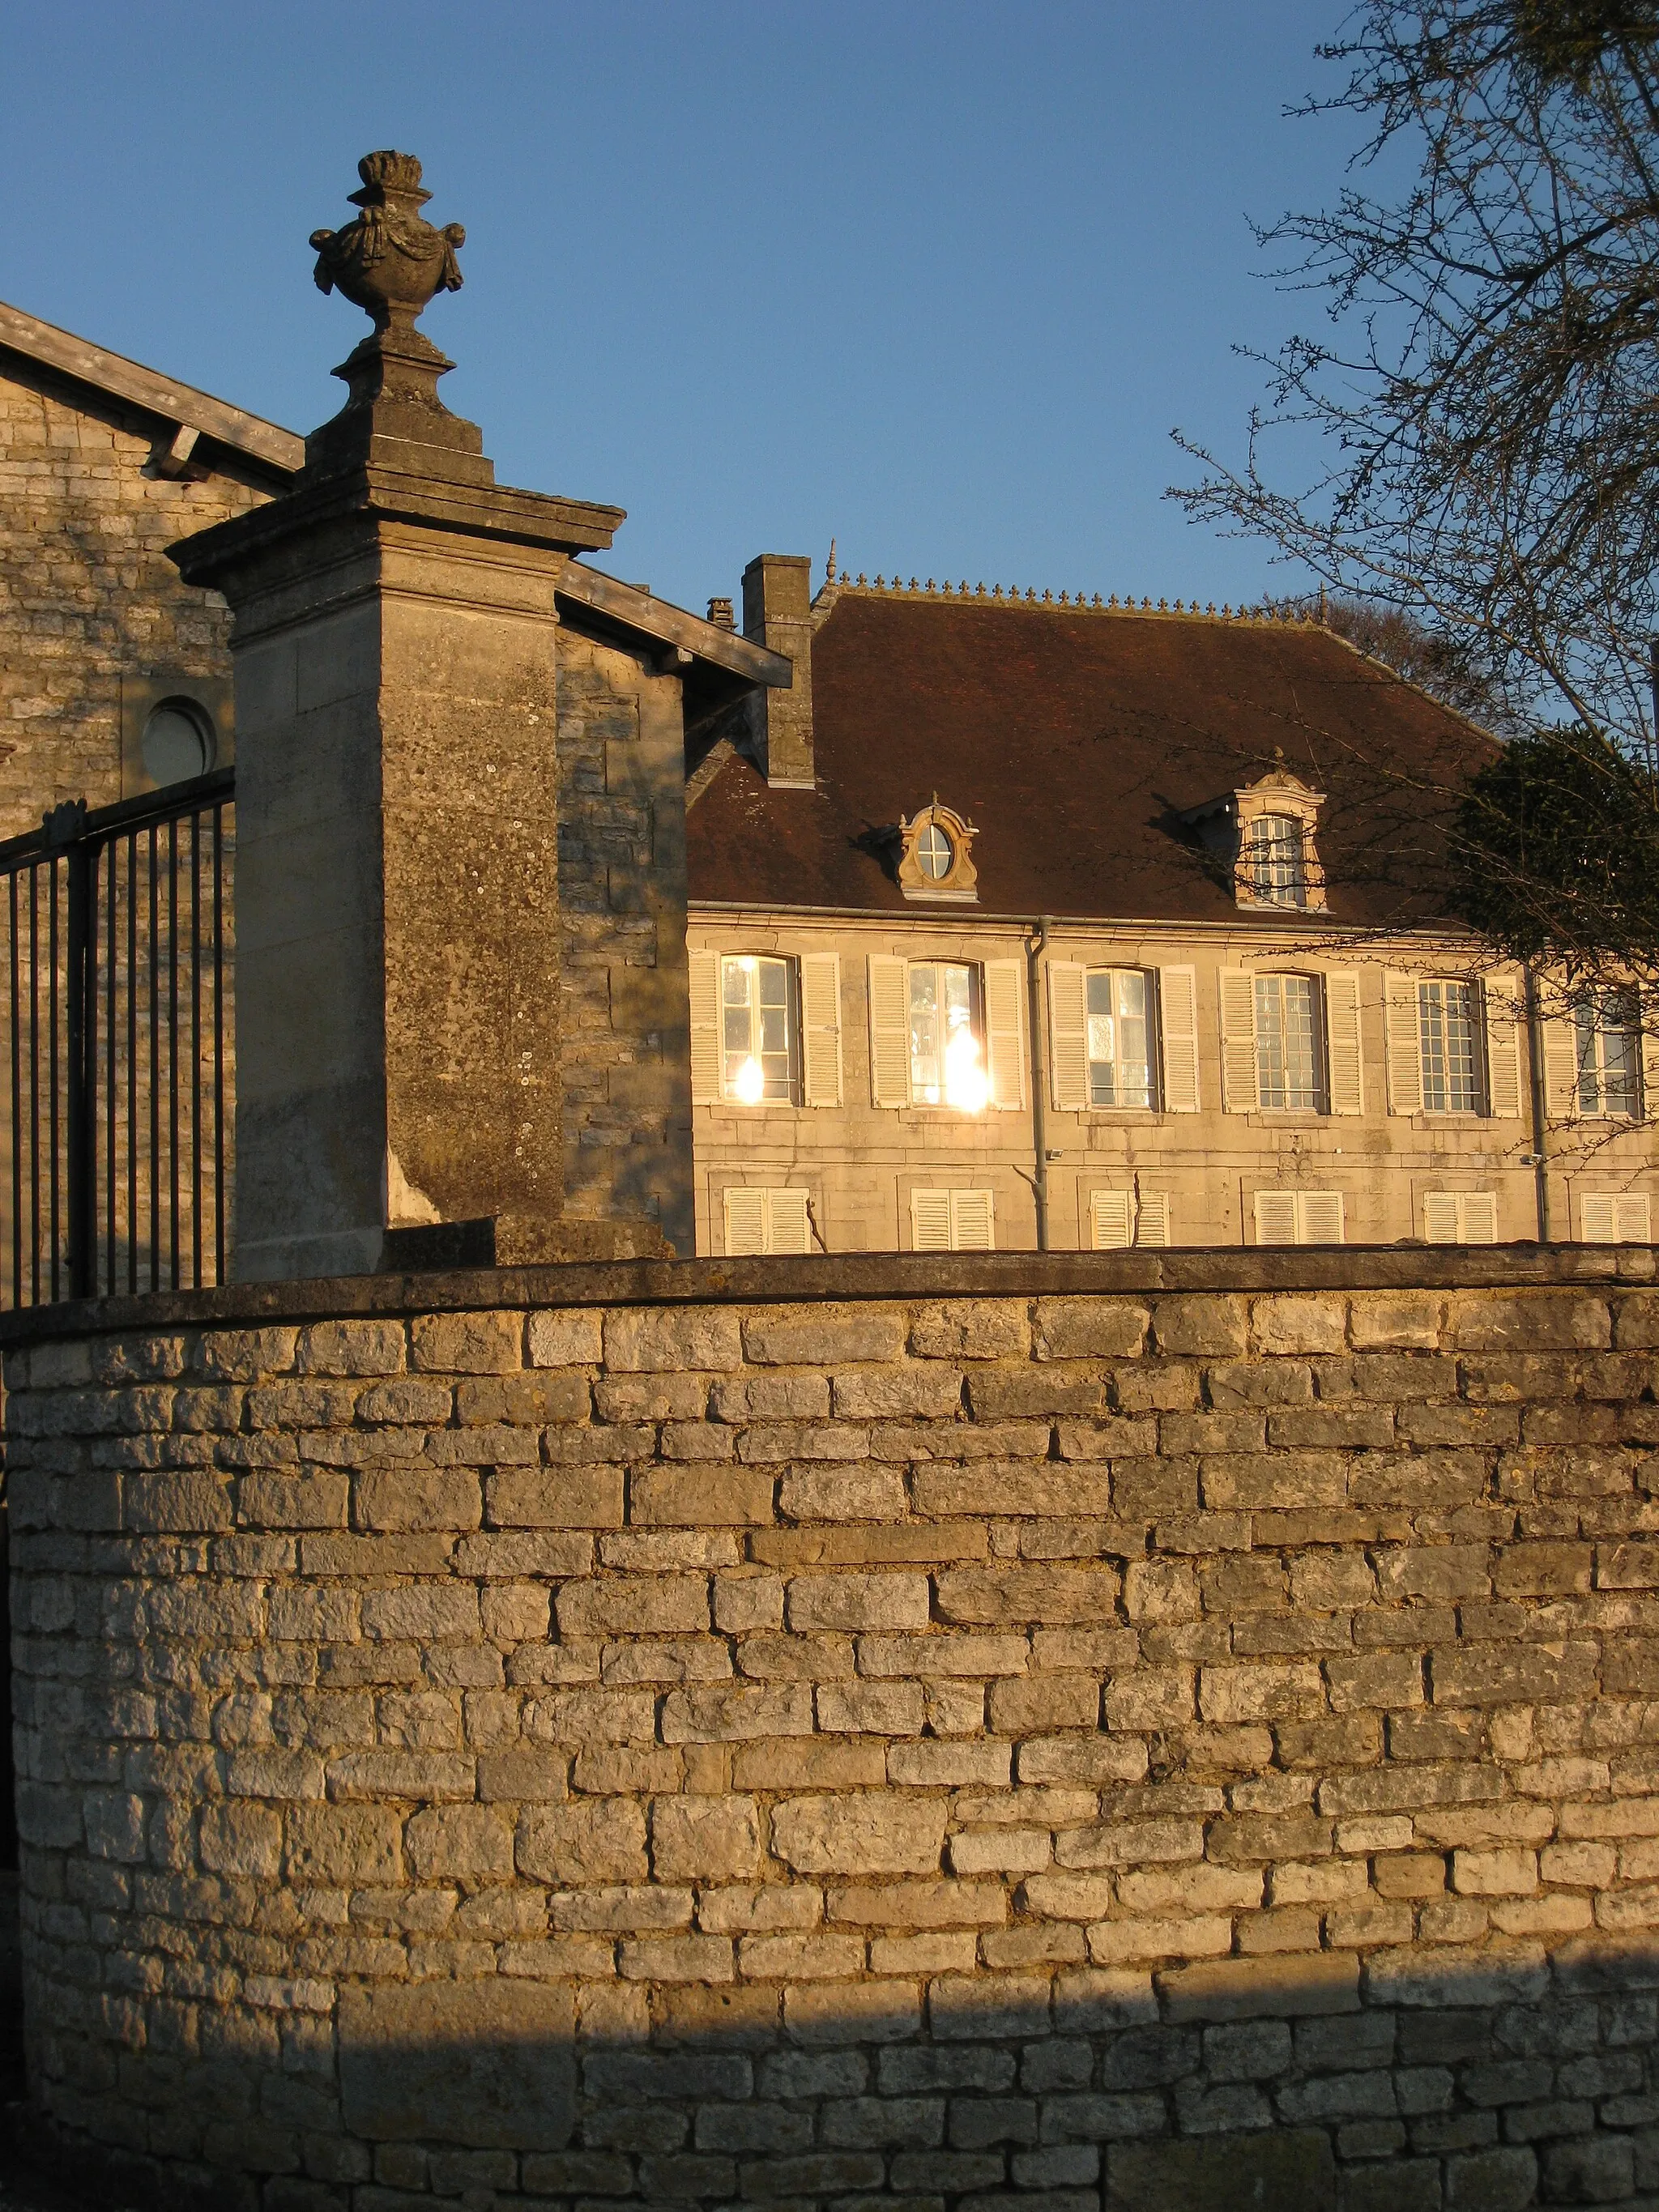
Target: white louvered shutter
(1275,1217)
(1560,1070)
(1479,1221)
(1319,1217)
(1004,1035)
(820,1029)
(1342,1040)
(787,1229)
(930,1220)
(1152,1218)
(1068,1037)
(1111,1220)
(1178,1022)
(706,1030)
(972,1224)
(746,1221)
(889,1030)
(1504,1083)
(1404,1046)
(1598,1217)
(1239,1091)
(1632,1218)
(1649,1015)
(1440,1221)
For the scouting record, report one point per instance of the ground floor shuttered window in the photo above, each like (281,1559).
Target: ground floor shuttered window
(1459,1217)
(1298,1217)
(953,1221)
(1624,1217)
(766,1221)
(1121,1218)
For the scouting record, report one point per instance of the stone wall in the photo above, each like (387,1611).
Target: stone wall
(1002,1733)
(89,604)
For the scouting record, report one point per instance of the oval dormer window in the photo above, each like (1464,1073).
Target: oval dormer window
(934,852)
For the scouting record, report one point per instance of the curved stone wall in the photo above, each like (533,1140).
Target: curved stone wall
(1196,1748)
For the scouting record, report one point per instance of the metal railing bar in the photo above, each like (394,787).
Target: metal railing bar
(102,822)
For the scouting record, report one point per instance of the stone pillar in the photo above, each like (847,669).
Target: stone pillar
(398,896)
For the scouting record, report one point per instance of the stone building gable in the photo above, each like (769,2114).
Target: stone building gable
(91,610)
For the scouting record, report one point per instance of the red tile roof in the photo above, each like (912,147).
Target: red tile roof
(1075,740)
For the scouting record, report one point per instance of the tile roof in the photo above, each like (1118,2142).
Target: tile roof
(1076,739)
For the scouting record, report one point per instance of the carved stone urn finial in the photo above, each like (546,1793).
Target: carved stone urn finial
(390,261)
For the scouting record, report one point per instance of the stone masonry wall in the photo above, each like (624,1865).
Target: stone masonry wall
(88,600)
(1002,1751)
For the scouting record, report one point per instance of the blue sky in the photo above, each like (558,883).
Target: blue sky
(936,279)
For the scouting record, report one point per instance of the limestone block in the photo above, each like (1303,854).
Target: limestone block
(919,1390)
(857,1601)
(467,1343)
(1089,1329)
(820,1335)
(971,1328)
(704,1837)
(1202,1326)
(488,2064)
(573,1338)
(838,1493)
(353,1845)
(351,1348)
(459,1842)
(1087,1595)
(719,1496)
(853,1835)
(675,1339)
(565,1497)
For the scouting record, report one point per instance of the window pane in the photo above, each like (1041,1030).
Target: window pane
(1133,1059)
(1103,1039)
(1276,873)
(1590,1085)
(927,1045)
(1446,1020)
(1619,1042)
(1287,1042)
(759,1028)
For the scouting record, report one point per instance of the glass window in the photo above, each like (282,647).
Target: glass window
(1276,873)
(947,1054)
(1609,1038)
(1449,1031)
(934,852)
(1120,1037)
(758,1011)
(1289,1059)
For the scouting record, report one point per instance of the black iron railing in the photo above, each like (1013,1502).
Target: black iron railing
(118,942)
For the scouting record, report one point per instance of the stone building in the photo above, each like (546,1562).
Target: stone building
(1011,923)
(1024,923)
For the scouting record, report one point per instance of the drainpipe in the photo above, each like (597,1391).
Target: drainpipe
(1540,1165)
(1036,949)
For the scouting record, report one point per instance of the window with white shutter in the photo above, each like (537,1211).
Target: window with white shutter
(705,1027)
(889,1032)
(1404,1051)
(1121,1218)
(1608,1055)
(1342,1042)
(1005,993)
(1068,1036)
(1560,1070)
(820,1029)
(759,1221)
(1177,1012)
(1238,1090)
(1449,1031)
(1299,1217)
(952,1220)
(1459,1217)
(1615,1218)
(1505,1082)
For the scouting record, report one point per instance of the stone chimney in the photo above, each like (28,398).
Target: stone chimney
(777,613)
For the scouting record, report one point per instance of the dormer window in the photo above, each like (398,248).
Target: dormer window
(1274,862)
(1265,833)
(934,862)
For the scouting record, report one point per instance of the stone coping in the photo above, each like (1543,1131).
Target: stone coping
(853,1276)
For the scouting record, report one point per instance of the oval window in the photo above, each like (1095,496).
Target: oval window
(934,852)
(178,742)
